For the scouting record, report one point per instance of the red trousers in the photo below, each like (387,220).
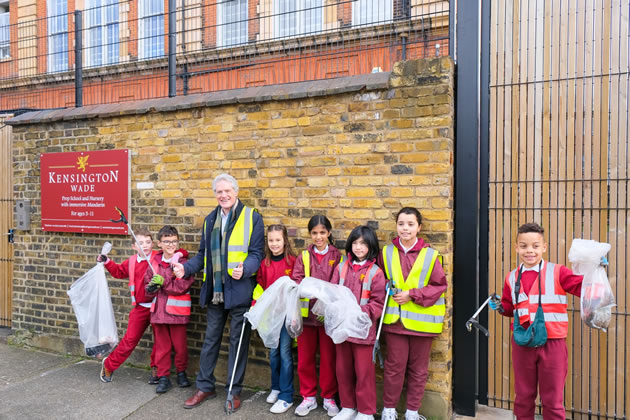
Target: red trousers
(406,354)
(168,337)
(139,320)
(543,368)
(309,341)
(356,377)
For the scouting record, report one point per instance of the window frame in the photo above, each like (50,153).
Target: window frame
(57,31)
(106,49)
(150,45)
(359,5)
(242,37)
(299,18)
(5,44)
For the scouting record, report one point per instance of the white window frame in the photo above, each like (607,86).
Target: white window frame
(372,12)
(101,27)
(150,29)
(228,25)
(5,36)
(57,23)
(305,17)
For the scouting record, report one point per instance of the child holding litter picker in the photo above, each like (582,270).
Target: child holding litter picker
(319,261)
(535,294)
(133,268)
(414,314)
(170,309)
(355,371)
(278,262)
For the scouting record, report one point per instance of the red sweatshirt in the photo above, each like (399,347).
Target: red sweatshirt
(121,271)
(322,267)
(374,307)
(278,267)
(425,296)
(571,283)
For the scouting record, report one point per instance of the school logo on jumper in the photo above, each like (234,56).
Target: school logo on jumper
(362,277)
(331,262)
(82,162)
(288,271)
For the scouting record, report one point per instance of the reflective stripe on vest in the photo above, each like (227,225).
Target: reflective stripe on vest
(238,245)
(179,305)
(304,302)
(553,300)
(413,316)
(366,282)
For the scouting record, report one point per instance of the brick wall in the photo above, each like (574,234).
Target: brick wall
(352,149)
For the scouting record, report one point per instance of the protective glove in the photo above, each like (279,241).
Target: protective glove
(495,304)
(603,262)
(156,282)
(321,318)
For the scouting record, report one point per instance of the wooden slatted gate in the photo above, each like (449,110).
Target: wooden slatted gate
(6,223)
(559,155)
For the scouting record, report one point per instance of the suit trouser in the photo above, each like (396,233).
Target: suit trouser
(216,317)
(139,320)
(541,368)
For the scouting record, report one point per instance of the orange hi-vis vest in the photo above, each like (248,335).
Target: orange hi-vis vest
(366,282)
(175,305)
(553,300)
(132,276)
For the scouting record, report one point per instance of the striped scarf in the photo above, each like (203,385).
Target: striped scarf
(218,249)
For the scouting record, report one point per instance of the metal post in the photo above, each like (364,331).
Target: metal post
(78,58)
(172,41)
(185,72)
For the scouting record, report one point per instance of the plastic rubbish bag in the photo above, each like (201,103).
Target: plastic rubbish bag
(92,306)
(597,298)
(277,303)
(343,317)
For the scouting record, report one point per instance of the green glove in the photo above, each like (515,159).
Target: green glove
(157,280)
(321,318)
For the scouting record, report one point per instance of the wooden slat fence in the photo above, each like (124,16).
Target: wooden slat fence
(559,155)
(6,222)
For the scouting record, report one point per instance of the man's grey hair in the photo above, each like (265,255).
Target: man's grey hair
(225,177)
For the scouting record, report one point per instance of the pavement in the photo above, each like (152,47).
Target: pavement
(40,385)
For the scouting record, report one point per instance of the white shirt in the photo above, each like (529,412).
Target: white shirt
(224,217)
(534,268)
(408,249)
(317,251)
(359,262)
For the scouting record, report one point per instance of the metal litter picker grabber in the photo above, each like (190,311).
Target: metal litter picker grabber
(472,322)
(377,346)
(124,220)
(229,402)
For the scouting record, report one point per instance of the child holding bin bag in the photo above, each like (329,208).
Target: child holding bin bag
(414,314)
(355,370)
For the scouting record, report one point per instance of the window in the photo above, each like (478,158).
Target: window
(101,32)
(57,35)
(150,29)
(5,35)
(231,23)
(368,12)
(297,17)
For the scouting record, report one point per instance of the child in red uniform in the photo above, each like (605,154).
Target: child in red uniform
(278,262)
(549,361)
(170,310)
(319,261)
(414,314)
(139,318)
(355,371)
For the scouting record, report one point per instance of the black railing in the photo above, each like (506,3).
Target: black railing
(134,49)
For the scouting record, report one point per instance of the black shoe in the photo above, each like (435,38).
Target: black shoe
(182,380)
(154,379)
(163,385)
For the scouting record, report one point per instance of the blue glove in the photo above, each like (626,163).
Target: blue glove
(603,262)
(494,305)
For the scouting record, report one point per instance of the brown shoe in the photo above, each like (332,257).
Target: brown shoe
(198,397)
(237,402)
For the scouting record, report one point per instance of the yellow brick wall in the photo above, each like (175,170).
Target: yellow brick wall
(356,157)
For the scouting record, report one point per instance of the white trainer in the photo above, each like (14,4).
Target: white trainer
(307,405)
(362,416)
(280,407)
(331,407)
(389,414)
(273,396)
(346,414)
(413,415)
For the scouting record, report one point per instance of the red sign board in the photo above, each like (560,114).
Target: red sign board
(81,190)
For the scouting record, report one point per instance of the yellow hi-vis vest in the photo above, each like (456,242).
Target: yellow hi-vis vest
(304,302)
(413,316)
(238,243)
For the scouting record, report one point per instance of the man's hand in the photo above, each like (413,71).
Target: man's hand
(402,297)
(237,273)
(178,269)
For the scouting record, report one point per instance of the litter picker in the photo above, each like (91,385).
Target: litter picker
(229,402)
(377,345)
(472,322)
(124,220)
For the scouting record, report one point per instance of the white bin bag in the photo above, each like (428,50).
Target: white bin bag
(597,298)
(92,306)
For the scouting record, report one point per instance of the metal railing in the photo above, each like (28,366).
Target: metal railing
(137,49)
